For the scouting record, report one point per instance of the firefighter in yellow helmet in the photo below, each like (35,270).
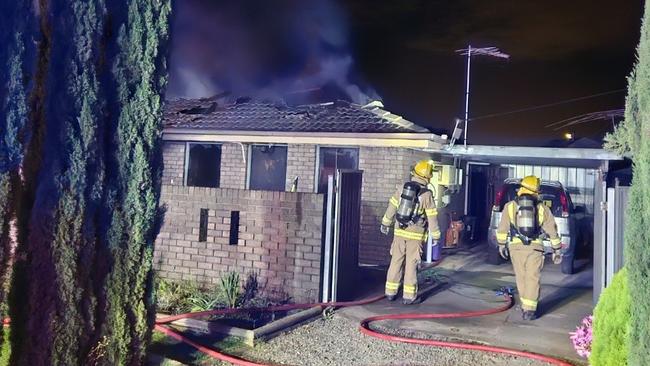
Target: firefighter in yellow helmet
(523,223)
(412,209)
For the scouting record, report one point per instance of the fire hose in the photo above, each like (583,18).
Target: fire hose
(364,328)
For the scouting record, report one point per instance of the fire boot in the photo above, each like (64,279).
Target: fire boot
(529,315)
(391,297)
(411,301)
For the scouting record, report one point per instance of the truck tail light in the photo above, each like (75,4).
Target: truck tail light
(497,200)
(565,204)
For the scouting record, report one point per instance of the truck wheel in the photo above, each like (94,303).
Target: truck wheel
(567,264)
(493,255)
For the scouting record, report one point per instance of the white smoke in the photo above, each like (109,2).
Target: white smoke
(263,49)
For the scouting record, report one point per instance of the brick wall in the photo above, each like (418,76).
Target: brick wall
(384,169)
(233,166)
(174,162)
(301,163)
(279,238)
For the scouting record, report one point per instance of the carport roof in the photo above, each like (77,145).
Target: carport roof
(574,157)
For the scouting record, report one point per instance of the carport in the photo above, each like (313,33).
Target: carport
(466,182)
(589,175)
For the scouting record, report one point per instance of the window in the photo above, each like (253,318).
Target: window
(268,169)
(333,158)
(203,165)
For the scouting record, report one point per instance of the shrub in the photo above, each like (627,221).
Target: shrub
(230,288)
(611,325)
(174,297)
(251,288)
(630,139)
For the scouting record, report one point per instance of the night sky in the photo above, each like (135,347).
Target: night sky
(403,53)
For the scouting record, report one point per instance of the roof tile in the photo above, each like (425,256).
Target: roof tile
(339,116)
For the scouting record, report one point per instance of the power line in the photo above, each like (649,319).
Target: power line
(586,118)
(546,105)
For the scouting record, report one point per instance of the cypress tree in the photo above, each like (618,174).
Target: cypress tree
(14,33)
(141,75)
(82,292)
(59,303)
(632,138)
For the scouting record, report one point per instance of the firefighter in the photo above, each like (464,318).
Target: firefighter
(413,210)
(523,223)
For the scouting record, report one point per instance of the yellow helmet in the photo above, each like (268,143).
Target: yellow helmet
(423,169)
(529,185)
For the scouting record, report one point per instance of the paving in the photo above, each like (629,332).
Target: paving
(468,284)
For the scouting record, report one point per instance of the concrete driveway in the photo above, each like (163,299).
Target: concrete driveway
(469,283)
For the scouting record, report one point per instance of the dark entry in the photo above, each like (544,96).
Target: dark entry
(479,199)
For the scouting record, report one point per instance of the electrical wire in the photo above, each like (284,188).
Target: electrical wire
(546,105)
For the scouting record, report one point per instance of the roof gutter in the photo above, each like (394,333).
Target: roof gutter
(409,140)
(531,152)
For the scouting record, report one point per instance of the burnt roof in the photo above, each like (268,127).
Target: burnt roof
(245,114)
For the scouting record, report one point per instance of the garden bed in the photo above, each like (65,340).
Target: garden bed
(249,330)
(248,323)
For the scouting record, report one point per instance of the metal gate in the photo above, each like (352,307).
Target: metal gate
(342,225)
(609,227)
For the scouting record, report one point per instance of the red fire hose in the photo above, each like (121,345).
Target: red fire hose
(235,360)
(364,328)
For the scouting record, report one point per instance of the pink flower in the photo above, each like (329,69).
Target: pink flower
(582,337)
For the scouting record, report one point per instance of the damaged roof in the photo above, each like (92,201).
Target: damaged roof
(248,115)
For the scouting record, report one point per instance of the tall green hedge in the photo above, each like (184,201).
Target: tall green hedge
(632,139)
(611,333)
(14,87)
(88,214)
(141,74)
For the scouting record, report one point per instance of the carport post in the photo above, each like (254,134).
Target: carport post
(327,252)
(600,230)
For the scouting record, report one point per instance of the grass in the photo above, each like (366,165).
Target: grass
(171,349)
(430,275)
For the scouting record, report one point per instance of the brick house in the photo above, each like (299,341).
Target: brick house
(244,181)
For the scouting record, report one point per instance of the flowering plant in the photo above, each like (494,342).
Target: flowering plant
(582,337)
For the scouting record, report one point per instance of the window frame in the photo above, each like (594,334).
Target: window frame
(249,165)
(317,161)
(186,163)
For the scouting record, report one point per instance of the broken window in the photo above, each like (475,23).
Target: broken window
(333,158)
(203,165)
(268,167)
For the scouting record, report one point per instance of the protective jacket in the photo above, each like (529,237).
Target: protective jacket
(426,215)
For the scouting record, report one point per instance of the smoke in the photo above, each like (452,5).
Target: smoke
(286,50)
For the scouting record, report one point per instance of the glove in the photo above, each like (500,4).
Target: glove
(434,243)
(503,252)
(557,256)
(384,229)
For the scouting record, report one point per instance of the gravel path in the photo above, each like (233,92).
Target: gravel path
(337,341)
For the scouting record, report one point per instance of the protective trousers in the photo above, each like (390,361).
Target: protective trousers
(405,257)
(528,262)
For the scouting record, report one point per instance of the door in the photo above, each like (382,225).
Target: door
(341,252)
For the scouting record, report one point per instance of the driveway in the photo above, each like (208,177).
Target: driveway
(469,283)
